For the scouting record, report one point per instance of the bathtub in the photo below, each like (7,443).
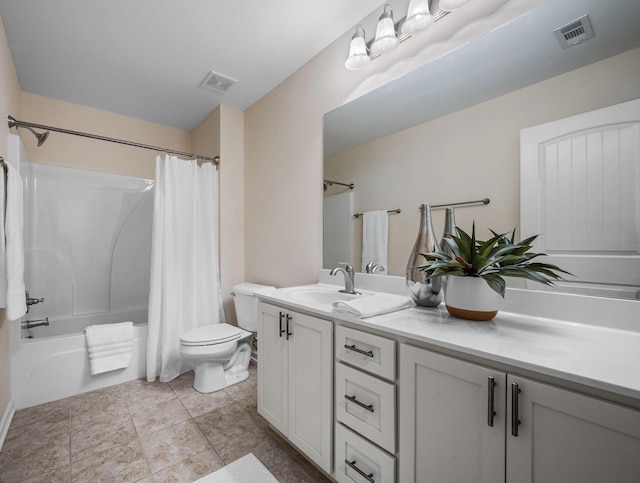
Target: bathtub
(51,367)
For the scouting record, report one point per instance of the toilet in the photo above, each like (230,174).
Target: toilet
(221,353)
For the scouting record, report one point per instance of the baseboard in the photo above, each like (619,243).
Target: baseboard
(7,417)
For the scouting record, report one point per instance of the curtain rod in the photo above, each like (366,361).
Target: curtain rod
(15,123)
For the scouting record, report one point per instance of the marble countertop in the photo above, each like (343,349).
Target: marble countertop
(600,357)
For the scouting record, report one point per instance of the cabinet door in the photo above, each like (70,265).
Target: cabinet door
(446,431)
(272,366)
(565,437)
(310,387)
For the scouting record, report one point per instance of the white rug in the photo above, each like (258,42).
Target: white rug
(247,469)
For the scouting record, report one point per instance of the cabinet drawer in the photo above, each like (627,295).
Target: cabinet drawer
(367,405)
(369,352)
(353,451)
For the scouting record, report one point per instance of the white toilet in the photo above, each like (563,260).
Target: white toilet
(221,352)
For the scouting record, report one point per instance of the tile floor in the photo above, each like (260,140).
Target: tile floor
(146,432)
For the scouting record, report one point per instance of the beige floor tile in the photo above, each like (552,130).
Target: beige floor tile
(99,437)
(190,469)
(35,457)
(152,416)
(198,403)
(171,445)
(227,423)
(140,390)
(59,475)
(183,380)
(123,463)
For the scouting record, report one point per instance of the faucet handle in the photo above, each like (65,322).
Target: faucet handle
(347,267)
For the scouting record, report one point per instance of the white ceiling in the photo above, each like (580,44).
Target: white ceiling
(147,58)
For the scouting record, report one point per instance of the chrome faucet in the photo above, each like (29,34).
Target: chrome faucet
(349,277)
(372,266)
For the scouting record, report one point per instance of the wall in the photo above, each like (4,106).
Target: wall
(9,104)
(429,163)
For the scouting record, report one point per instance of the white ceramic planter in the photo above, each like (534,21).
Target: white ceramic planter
(471,298)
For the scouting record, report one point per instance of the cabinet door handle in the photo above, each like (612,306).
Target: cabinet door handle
(280,323)
(491,401)
(515,421)
(352,465)
(368,407)
(359,351)
(288,333)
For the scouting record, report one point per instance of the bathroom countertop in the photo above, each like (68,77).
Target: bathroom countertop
(604,358)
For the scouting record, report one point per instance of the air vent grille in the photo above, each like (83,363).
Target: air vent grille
(574,32)
(217,82)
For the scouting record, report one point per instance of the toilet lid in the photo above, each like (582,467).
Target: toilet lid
(211,334)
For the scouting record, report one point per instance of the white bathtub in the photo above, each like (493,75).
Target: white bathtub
(45,369)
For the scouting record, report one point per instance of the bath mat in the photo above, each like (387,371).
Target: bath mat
(247,469)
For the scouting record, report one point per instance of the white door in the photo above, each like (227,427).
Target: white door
(272,366)
(580,190)
(567,437)
(310,387)
(448,433)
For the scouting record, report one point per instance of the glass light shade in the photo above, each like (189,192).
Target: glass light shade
(358,56)
(449,5)
(386,38)
(418,17)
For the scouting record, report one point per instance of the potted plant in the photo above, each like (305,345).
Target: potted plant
(476,271)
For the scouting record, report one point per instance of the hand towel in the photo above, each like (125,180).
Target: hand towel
(378,304)
(16,298)
(109,346)
(375,237)
(3,251)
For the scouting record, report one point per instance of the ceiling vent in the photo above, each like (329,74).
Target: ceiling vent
(574,32)
(217,82)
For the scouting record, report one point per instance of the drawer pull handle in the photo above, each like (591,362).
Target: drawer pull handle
(491,401)
(289,334)
(359,351)
(352,465)
(368,407)
(280,323)
(515,420)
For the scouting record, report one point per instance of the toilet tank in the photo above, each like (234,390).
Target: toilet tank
(246,303)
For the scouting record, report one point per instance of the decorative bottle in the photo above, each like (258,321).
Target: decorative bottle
(449,229)
(424,291)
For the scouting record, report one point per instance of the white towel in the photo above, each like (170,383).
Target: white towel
(3,251)
(109,346)
(16,299)
(378,304)
(375,237)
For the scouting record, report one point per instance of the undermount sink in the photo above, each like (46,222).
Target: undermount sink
(322,295)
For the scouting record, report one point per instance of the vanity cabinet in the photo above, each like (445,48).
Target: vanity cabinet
(463,422)
(295,367)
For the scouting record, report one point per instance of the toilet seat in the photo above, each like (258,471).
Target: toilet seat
(212,334)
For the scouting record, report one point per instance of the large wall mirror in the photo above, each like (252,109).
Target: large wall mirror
(449,131)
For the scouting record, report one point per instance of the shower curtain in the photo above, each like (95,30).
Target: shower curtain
(185,282)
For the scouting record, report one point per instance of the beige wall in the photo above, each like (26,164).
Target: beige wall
(470,154)
(9,105)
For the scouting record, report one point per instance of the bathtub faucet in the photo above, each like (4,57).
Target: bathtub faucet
(31,301)
(30,324)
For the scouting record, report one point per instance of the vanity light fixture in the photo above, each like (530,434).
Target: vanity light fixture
(418,18)
(358,51)
(386,38)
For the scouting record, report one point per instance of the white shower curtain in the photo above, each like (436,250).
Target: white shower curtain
(185,282)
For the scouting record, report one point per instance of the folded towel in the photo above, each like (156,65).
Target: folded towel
(378,304)
(109,346)
(375,236)
(16,299)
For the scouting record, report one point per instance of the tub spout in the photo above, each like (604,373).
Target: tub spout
(30,324)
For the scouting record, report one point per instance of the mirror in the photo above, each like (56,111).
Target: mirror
(449,131)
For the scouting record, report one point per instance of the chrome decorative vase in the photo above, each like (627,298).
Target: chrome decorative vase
(424,291)
(449,229)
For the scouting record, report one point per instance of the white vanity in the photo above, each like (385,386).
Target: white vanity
(419,396)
